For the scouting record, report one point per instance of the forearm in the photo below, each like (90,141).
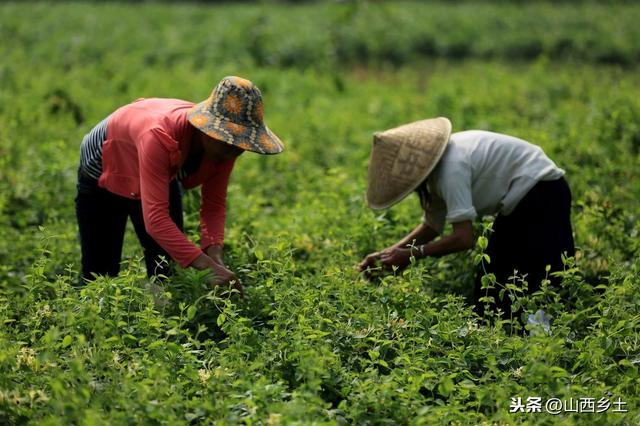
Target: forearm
(421,234)
(448,244)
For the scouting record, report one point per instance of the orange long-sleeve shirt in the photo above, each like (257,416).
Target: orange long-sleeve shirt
(147,143)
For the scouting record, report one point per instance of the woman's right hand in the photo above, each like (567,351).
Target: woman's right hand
(225,277)
(221,275)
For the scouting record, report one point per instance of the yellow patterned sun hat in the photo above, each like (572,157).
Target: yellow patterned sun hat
(234,114)
(403,157)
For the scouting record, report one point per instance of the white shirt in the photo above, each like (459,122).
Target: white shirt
(484,173)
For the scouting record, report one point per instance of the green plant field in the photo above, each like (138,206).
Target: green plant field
(313,342)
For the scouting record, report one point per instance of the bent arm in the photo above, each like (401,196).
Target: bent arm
(155,175)
(460,239)
(421,234)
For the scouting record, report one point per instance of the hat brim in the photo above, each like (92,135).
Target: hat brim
(258,138)
(402,158)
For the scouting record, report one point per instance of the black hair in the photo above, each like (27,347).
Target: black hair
(423,195)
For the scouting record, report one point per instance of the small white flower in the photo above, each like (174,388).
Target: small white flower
(204,375)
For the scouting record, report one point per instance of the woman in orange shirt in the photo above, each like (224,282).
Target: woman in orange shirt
(135,162)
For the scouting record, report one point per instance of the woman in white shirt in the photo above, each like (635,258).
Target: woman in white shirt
(470,174)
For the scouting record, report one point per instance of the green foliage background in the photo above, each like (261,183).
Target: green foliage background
(313,342)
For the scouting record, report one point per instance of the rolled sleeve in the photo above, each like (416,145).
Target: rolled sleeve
(461,215)
(455,187)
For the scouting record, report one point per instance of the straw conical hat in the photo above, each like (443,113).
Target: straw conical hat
(403,157)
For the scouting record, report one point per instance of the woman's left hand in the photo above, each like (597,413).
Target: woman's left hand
(399,257)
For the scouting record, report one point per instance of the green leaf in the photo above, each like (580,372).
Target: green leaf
(67,340)
(558,371)
(112,339)
(258,254)
(156,344)
(221,319)
(446,386)
(191,312)
(625,363)
(482,243)
(486,282)
(129,338)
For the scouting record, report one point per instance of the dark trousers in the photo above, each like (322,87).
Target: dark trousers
(102,219)
(534,235)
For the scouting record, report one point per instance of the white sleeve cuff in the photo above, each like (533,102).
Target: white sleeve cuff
(461,215)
